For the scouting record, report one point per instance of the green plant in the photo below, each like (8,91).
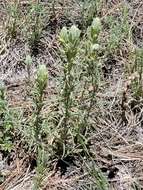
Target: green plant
(6,132)
(98,180)
(125,25)
(92,69)
(13,18)
(41,83)
(77,112)
(119,29)
(28,62)
(33,126)
(40,86)
(137,83)
(40,169)
(34,25)
(69,40)
(90,9)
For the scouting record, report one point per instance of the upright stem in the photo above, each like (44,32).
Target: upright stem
(67,94)
(91,73)
(39,106)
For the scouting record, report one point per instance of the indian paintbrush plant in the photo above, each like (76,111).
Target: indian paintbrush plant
(92,68)
(40,86)
(40,169)
(69,39)
(93,64)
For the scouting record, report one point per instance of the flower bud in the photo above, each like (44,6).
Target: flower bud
(96,26)
(74,34)
(63,35)
(42,77)
(95,47)
(94,29)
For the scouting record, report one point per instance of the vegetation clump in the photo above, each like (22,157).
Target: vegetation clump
(71,94)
